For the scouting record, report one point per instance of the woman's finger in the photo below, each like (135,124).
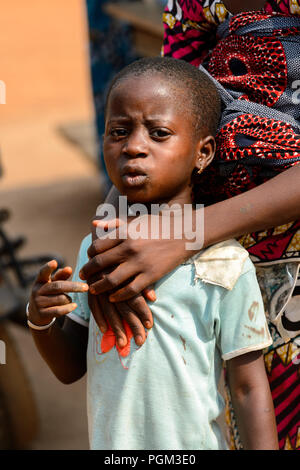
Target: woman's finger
(137,285)
(112,280)
(149,294)
(104,226)
(100,246)
(101,261)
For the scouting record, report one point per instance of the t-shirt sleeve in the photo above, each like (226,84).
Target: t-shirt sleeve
(82,313)
(242,325)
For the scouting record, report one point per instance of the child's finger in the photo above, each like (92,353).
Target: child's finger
(61,287)
(53,300)
(114,320)
(45,272)
(58,310)
(62,274)
(97,312)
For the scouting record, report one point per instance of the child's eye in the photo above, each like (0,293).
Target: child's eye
(160,133)
(118,132)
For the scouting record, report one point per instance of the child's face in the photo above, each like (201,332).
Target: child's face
(150,148)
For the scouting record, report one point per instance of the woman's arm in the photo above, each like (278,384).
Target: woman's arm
(269,205)
(140,263)
(252,402)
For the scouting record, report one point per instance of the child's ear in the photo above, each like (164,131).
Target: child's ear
(206,149)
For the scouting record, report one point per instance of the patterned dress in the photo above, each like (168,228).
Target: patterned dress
(254,59)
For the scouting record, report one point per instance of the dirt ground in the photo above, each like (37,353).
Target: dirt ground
(51,188)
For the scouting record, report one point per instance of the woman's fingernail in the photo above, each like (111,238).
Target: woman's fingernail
(147,324)
(81,275)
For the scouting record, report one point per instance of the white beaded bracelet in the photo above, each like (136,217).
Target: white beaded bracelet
(36,327)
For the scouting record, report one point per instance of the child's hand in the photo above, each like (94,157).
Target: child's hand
(48,298)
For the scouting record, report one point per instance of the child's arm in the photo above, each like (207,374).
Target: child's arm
(63,348)
(252,401)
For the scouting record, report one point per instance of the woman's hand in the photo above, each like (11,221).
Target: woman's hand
(111,299)
(140,262)
(136,313)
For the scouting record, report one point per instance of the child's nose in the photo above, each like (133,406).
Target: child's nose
(136,145)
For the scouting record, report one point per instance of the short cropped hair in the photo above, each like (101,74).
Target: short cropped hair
(203,98)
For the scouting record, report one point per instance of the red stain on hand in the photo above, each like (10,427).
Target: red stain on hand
(109,341)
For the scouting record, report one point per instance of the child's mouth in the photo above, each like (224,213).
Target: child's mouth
(133,176)
(133,179)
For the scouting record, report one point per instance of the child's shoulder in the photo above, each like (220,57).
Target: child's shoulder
(85,243)
(222,264)
(87,240)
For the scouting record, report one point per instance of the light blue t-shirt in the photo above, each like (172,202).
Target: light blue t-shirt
(164,394)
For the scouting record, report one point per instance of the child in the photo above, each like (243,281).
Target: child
(164,395)
(251,49)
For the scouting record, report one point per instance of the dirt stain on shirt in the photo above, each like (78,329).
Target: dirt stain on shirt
(183,342)
(253,310)
(260,332)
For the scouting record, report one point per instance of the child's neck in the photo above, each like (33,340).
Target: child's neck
(177,201)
